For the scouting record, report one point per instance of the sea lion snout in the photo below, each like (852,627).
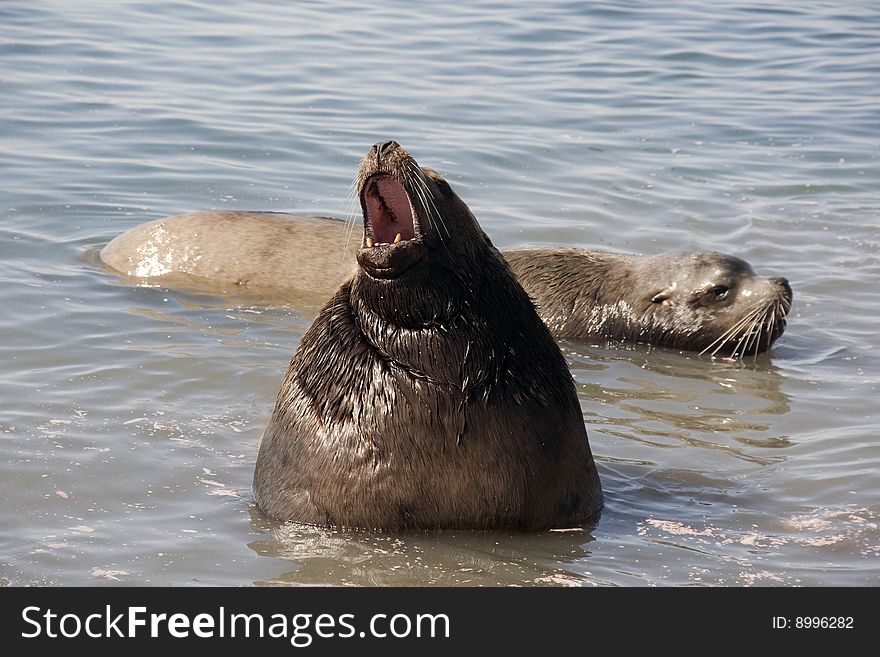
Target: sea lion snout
(384,147)
(780,281)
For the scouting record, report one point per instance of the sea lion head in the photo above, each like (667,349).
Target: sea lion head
(416,230)
(701,301)
(714,302)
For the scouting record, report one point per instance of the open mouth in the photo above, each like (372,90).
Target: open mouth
(388,213)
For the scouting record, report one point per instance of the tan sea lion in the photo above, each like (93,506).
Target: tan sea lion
(699,301)
(263,250)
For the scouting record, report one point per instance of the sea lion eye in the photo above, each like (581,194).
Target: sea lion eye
(444,187)
(719,292)
(438,180)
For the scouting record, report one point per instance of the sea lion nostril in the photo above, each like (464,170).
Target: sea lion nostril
(385,147)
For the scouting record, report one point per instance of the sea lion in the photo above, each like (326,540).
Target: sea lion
(307,255)
(698,301)
(701,301)
(427,394)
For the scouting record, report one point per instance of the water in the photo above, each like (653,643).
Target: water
(130,417)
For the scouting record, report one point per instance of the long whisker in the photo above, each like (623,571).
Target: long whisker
(753,336)
(734,330)
(770,322)
(423,194)
(785,303)
(420,195)
(745,336)
(742,331)
(426,194)
(425,198)
(767,322)
(351,216)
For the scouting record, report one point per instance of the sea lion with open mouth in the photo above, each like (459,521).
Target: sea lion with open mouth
(427,394)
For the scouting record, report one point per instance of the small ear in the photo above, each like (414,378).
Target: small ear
(661,296)
(441,183)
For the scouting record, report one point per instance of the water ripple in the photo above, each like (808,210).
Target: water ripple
(750,128)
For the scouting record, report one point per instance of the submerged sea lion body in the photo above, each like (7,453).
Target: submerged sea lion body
(427,394)
(252,249)
(699,301)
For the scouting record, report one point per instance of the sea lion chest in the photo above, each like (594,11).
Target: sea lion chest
(373,416)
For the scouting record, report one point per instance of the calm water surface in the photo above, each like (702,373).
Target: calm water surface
(130,417)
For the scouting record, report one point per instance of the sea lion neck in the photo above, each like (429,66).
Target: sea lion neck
(424,325)
(427,296)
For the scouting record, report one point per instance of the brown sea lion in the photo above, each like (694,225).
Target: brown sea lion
(427,394)
(699,301)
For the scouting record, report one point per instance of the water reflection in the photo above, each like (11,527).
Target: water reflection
(663,399)
(323,557)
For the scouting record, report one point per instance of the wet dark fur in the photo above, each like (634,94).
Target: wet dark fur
(433,400)
(662,300)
